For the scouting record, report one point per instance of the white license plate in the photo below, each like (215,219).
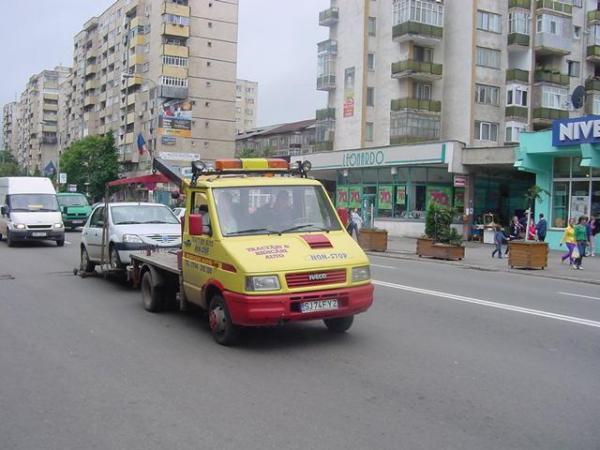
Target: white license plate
(77,221)
(319,305)
(38,234)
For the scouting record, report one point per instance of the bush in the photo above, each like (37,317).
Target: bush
(438,224)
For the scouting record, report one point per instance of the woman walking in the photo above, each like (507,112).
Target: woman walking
(581,239)
(593,230)
(569,239)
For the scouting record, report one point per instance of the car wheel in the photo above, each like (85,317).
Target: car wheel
(222,328)
(340,325)
(115,262)
(60,243)
(85,265)
(151,296)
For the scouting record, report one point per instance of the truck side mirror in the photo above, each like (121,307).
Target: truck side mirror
(196,225)
(3,210)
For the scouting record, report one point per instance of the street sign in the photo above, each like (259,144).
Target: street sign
(179,156)
(72,188)
(460,180)
(62,178)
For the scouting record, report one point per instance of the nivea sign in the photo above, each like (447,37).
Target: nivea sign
(580,130)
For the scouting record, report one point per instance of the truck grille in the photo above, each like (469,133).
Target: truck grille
(295,280)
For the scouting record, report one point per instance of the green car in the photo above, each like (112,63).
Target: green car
(75,209)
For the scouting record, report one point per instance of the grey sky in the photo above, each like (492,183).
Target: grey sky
(277,48)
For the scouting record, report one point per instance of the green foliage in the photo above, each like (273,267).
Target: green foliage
(438,224)
(247,153)
(8,165)
(533,194)
(92,160)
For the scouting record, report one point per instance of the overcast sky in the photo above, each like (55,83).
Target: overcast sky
(277,48)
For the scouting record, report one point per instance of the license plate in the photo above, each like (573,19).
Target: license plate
(319,305)
(38,234)
(77,221)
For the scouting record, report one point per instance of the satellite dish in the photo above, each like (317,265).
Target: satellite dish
(577,97)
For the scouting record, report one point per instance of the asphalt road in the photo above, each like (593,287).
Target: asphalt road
(447,358)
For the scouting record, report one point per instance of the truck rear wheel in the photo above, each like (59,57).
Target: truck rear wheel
(340,325)
(222,328)
(151,295)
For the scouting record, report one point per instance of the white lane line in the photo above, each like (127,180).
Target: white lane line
(579,295)
(383,267)
(533,312)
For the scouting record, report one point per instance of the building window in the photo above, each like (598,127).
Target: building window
(371,61)
(488,21)
(573,68)
(175,61)
(422,54)
(554,97)
(176,20)
(422,91)
(172,81)
(369,132)
(486,131)
(516,96)
(518,22)
(372,26)
(422,11)
(576,32)
(370,96)
(487,95)
(513,132)
(487,57)
(551,24)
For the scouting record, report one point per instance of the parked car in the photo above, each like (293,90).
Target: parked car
(75,209)
(130,227)
(180,213)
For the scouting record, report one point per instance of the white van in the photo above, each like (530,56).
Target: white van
(29,211)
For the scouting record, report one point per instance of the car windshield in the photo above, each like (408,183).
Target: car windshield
(33,202)
(141,214)
(72,200)
(256,210)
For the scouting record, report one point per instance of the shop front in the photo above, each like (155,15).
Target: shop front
(566,164)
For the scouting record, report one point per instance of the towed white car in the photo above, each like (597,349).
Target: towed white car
(129,227)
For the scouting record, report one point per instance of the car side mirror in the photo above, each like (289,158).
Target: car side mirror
(196,225)
(3,210)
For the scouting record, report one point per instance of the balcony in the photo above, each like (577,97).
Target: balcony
(49,107)
(91,69)
(91,84)
(139,39)
(409,127)
(130,118)
(517,75)
(593,16)
(554,6)
(176,50)
(592,84)
(541,76)
(324,146)
(517,112)
(136,59)
(525,4)
(49,128)
(134,81)
(174,92)
(134,23)
(547,115)
(325,113)
(518,39)
(432,106)
(50,140)
(417,70)
(593,53)
(174,71)
(552,44)
(89,100)
(128,138)
(326,83)
(418,32)
(175,9)
(329,17)
(130,99)
(169,29)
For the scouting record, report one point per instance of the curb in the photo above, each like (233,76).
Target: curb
(407,256)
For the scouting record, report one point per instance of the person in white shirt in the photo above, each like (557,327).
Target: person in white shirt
(356,222)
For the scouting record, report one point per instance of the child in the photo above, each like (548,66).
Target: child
(499,239)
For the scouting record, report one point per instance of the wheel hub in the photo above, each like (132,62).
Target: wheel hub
(216,320)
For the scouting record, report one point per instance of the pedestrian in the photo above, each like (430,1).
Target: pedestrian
(594,227)
(568,238)
(531,232)
(581,239)
(356,222)
(541,228)
(514,231)
(499,239)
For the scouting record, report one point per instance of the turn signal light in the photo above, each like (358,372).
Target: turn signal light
(278,164)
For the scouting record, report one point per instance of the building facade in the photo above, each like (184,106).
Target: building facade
(246,105)
(10,114)
(289,139)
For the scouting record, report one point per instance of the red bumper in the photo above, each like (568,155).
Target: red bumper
(261,310)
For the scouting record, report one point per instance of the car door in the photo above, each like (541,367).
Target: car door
(92,234)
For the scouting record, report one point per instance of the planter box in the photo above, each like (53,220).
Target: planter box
(373,240)
(528,255)
(427,248)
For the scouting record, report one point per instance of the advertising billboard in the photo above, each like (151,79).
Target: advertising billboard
(175,119)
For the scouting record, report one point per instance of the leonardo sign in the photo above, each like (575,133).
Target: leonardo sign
(580,130)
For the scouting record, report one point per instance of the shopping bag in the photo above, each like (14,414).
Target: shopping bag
(575,253)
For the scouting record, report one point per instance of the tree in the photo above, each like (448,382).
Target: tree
(8,165)
(247,153)
(533,194)
(91,161)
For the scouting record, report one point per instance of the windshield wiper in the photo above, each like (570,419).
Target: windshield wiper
(250,230)
(305,225)
(128,222)
(158,221)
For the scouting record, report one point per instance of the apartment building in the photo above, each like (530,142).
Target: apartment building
(246,105)
(9,127)
(404,71)
(161,70)
(288,139)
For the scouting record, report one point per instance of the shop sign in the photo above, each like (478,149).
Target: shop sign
(342,197)
(349,75)
(364,159)
(72,188)
(580,130)
(440,194)
(354,196)
(179,156)
(460,180)
(168,140)
(386,192)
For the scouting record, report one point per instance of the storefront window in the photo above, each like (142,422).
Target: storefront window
(578,171)
(560,204)
(420,201)
(385,200)
(596,199)
(580,199)
(562,167)
(401,201)
(369,176)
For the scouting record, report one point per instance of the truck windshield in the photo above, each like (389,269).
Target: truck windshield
(254,210)
(32,202)
(73,200)
(139,214)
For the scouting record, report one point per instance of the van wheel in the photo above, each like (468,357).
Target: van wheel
(60,243)
(222,328)
(9,240)
(151,295)
(340,325)
(85,265)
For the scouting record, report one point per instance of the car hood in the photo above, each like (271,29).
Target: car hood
(164,233)
(36,218)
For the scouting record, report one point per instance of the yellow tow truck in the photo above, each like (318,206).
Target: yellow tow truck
(262,245)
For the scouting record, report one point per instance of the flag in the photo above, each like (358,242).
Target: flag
(141,144)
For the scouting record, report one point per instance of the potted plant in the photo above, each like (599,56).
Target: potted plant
(373,239)
(440,240)
(529,253)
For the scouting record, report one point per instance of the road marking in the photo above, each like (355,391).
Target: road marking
(384,267)
(579,295)
(533,312)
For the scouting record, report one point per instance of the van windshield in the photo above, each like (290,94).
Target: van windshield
(32,202)
(253,210)
(73,200)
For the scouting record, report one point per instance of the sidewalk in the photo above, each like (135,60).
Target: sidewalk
(478,257)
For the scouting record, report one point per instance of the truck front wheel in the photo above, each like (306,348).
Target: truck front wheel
(340,325)
(222,328)
(151,295)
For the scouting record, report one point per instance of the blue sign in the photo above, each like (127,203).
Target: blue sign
(580,130)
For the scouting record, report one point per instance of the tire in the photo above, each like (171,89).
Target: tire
(113,259)
(340,325)
(223,330)
(60,243)
(85,265)
(9,240)
(151,295)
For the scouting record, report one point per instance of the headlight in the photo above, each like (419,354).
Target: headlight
(20,226)
(263,283)
(58,225)
(132,238)
(361,274)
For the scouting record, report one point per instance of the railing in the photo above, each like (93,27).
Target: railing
(555,6)
(325,113)
(416,103)
(550,114)
(592,84)
(541,76)
(323,146)
(519,4)
(517,75)
(593,16)
(593,51)
(326,82)
(417,28)
(329,16)
(518,39)
(416,66)
(516,111)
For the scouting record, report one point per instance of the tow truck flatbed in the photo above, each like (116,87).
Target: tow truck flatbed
(163,260)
